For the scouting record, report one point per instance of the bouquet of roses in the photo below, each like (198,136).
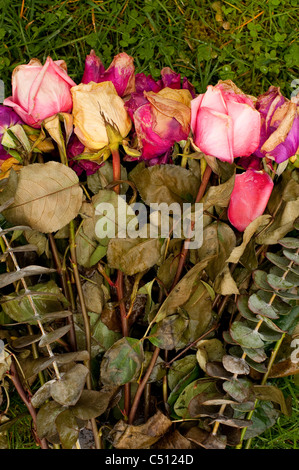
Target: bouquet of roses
(149,266)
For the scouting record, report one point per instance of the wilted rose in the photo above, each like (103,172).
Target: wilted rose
(169,79)
(120,72)
(225,123)
(96,106)
(160,120)
(8,118)
(249,198)
(279,139)
(40,91)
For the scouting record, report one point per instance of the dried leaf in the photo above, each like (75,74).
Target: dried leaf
(47,197)
(125,436)
(133,256)
(93,403)
(165,184)
(251,229)
(122,362)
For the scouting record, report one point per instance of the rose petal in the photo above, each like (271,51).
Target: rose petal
(214,135)
(246,128)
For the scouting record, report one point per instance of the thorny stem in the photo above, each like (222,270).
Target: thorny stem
(201,191)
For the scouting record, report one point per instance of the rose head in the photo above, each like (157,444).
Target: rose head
(96,106)
(120,72)
(8,118)
(40,91)
(160,120)
(249,197)
(225,123)
(279,139)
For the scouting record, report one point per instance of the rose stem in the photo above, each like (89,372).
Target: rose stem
(201,191)
(183,255)
(125,332)
(14,376)
(85,320)
(116,168)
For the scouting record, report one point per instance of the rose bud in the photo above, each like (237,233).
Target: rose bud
(279,139)
(93,68)
(249,198)
(96,108)
(225,123)
(40,91)
(160,121)
(120,72)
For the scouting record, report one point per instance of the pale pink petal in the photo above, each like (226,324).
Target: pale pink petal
(195,106)
(246,128)
(249,198)
(215,134)
(213,99)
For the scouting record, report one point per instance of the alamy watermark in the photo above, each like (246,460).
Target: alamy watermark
(154,221)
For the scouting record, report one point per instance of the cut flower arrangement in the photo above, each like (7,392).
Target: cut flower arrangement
(138,342)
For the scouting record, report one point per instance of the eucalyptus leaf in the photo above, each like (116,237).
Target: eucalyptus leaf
(53,336)
(67,390)
(245,336)
(10,278)
(240,389)
(45,421)
(93,403)
(67,428)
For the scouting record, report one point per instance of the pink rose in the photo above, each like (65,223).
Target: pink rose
(249,197)
(225,124)
(40,91)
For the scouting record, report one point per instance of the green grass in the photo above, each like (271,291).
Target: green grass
(255,44)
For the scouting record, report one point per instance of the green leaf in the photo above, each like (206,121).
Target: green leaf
(47,298)
(122,362)
(180,369)
(193,389)
(289,242)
